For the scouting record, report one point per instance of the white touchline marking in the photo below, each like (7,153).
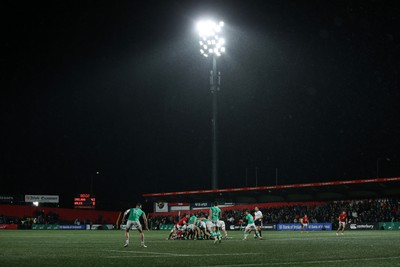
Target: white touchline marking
(302,262)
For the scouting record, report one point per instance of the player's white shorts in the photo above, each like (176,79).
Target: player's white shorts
(209,225)
(136,224)
(343,224)
(191,227)
(250,226)
(221,225)
(202,225)
(305,224)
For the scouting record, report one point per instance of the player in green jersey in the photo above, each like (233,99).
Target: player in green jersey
(208,228)
(214,215)
(134,220)
(250,225)
(192,228)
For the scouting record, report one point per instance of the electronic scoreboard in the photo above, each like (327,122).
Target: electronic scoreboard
(84,201)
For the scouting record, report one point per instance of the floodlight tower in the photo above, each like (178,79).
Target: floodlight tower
(212,44)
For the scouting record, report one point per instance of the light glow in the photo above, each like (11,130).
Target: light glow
(210,37)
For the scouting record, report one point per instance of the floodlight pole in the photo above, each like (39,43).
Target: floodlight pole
(215,82)
(377,165)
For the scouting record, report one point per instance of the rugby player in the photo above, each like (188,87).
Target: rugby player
(304,223)
(342,222)
(258,216)
(221,225)
(192,227)
(201,224)
(209,226)
(214,215)
(133,220)
(250,225)
(178,227)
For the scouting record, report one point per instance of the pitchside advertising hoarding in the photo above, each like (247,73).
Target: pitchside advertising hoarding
(389,225)
(362,226)
(179,206)
(42,198)
(166,207)
(185,206)
(200,205)
(298,226)
(161,207)
(265,227)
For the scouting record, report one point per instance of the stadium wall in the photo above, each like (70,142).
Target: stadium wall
(64,214)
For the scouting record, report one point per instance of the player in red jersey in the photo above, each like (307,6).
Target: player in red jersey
(342,222)
(304,223)
(179,225)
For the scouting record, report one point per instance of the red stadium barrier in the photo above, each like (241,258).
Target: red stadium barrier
(64,214)
(8,226)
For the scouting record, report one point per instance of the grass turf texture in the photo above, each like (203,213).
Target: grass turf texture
(105,248)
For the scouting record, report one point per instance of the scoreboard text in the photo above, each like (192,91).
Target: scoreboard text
(85,201)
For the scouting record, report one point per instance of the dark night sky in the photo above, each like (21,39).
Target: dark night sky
(308,87)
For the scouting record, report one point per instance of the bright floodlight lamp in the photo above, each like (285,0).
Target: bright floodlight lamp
(211,42)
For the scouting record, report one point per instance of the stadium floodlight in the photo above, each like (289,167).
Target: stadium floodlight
(213,44)
(209,33)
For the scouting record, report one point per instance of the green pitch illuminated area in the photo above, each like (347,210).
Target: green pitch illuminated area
(105,248)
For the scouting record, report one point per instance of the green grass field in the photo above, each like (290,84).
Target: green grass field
(105,248)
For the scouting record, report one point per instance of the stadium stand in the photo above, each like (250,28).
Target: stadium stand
(367,200)
(367,210)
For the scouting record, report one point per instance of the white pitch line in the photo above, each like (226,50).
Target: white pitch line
(149,252)
(179,255)
(302,262)
(142,256)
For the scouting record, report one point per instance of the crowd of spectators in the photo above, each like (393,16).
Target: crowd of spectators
(156,221)
(39,217)
(369,210)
